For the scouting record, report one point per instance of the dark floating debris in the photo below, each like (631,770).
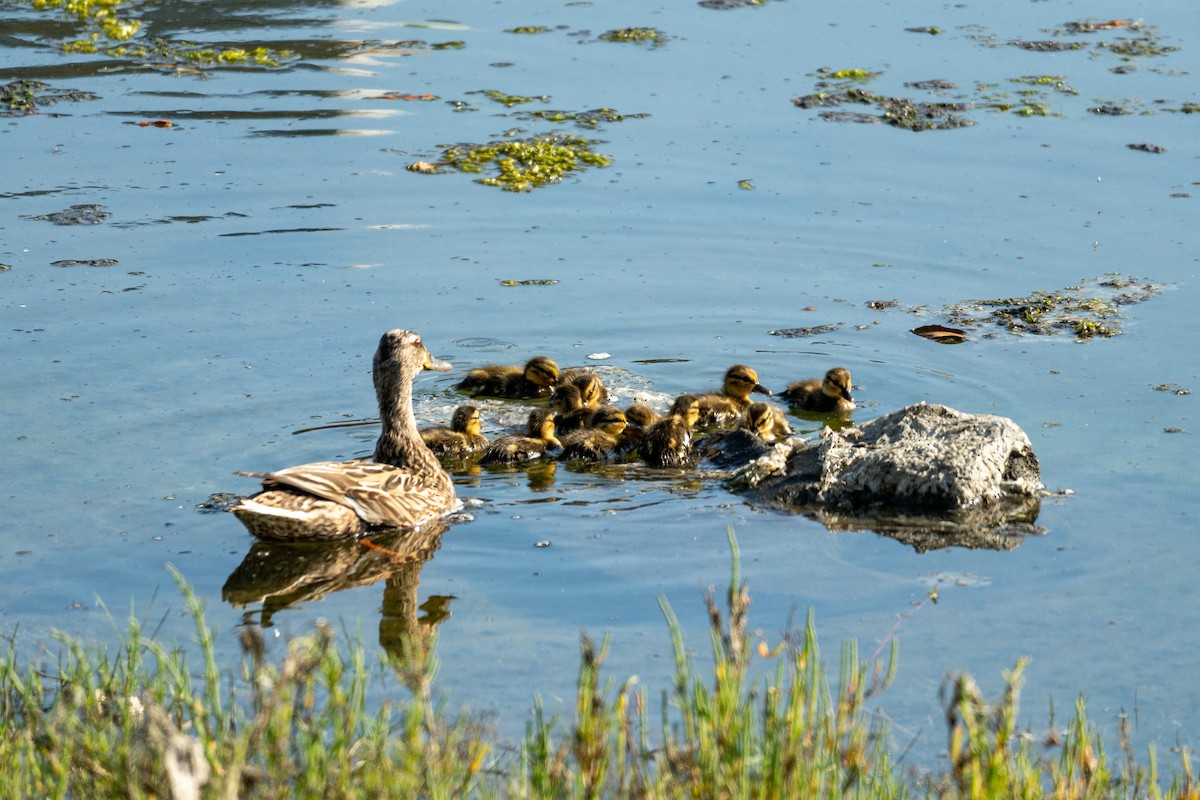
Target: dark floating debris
(85,262)
(941,334)
(1111,110)
(1146,147)
(800,333)
(83,214)
(22,97)
(1046,46)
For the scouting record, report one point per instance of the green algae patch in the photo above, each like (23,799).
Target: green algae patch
(103,16)
(651,36)
(527,164)
(528,29)
(510,100)
(22,97)
(584,119)
(1088,310)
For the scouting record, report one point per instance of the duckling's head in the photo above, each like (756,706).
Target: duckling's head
(609,419)
(566,398)
(541,425)
(687,408)
(641,415)
(759,418)
(741,380)
(837,384)
(401,355)
(541,371)
(590,389)
(466,420)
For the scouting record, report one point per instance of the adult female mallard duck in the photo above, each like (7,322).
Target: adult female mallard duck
(404,486)
(832,393)
(463,437)
(536,379)
(668,442)
(766,420)
(597,442)
(724,408)
(539,439)
(570,413)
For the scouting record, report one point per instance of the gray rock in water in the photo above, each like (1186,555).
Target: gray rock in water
(928,475)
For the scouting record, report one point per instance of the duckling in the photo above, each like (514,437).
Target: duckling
(766,420)
(724,408)
(463,437)
(570,412)
(600,440)
(536,379)
(830,394)
(539,438)
(638,417)
(590,386)
(668,442)
(405,486)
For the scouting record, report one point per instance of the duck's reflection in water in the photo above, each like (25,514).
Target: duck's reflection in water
(276,576)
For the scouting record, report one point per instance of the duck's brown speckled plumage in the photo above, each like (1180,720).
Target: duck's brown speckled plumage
(725,408)
(830,394)
(767,421)
(597,442)
(404,486)
(462,438)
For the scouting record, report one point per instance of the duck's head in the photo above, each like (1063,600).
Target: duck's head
(759,418)
(541,371)
(837,384)
(687,408)
(401,355)
(541,425)
(611,420)
(741,380)
(566,398)
(590,389)
(466,420)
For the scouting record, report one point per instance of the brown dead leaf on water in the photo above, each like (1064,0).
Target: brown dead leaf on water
(941,334)
(422,166)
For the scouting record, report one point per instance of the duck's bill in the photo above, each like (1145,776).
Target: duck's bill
(758,387)
(433,362)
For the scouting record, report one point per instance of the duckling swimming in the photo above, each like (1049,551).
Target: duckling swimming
(536,379)
(463,437)
(668,442)
(570,413)
(638,417)
(538,440)
(830,394)
(724,408)
(766,420)
(600,440)
(591,388)
(404,486)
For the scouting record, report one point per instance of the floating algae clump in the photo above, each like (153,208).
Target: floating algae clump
(524,165)
(635,35)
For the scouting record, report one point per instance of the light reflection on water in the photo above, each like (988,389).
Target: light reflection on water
(136,390)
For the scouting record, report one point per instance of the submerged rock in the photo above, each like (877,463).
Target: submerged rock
(927,474)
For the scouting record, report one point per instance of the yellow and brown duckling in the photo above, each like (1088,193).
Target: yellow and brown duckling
(539,438)
(591,388)
(463,437)
(404,486)
(668,442)
(570,413)
(725,408)
(832,393)
(638,418)
(536,379)
(766,420)
(599,441)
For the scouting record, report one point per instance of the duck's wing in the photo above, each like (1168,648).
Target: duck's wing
(380,494)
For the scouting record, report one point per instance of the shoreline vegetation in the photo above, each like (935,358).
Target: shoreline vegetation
(143,722)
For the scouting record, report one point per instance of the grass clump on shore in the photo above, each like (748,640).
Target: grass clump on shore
(140,724)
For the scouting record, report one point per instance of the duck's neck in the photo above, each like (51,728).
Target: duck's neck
(400,442)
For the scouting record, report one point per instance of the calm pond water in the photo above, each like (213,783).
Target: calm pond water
(266,240)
